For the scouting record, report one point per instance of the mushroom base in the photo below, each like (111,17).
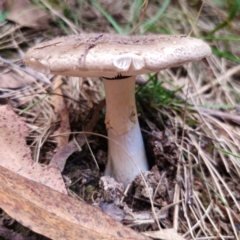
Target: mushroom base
(126,155)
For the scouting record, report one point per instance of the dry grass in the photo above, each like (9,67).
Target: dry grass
(205,128)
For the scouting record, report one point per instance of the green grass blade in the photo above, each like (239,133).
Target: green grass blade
(225,55)
(3,16)
(159,13)
(228,153)
(108,17)
(230,38)
(232,14)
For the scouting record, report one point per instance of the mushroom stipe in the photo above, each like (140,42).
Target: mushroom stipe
(114,57)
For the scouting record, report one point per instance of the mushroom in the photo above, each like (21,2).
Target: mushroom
(117,60)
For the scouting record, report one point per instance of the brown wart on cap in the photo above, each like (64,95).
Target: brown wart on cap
(117,59)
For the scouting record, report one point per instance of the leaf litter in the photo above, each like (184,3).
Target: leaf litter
(27,14)
(15,155)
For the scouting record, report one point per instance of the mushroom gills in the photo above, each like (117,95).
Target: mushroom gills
(128,61)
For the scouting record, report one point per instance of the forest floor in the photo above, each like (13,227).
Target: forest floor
(189,115)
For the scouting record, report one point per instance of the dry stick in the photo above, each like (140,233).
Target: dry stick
(176,199)
(203,225)
(125,192)
(90,149)
(188,179)
(207,214)
(143,11)
(219,114)
(193,210)
(40,143)
(188,186)
(200,221)
(79,147)
(177,187)
(200,10)
(214,238)
(187,218)
(62,154)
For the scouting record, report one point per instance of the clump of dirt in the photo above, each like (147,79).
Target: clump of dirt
(166,153)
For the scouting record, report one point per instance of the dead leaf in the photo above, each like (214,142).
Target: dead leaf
(61,109)
(56,215)
(27,14)
(164,234)
(15,155)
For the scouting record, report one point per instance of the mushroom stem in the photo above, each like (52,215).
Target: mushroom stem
(123,131)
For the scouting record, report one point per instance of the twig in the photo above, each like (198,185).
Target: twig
(198,15)
(207,214)
(143,11)
(90,149)
(219,114)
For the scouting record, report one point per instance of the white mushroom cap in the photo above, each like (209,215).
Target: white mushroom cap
(109,55)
